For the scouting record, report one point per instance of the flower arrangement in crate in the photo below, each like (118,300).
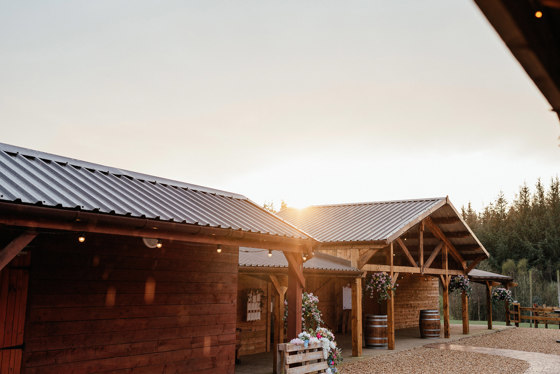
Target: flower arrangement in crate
(382,283)
(460,283)
(501,294)
(255,298)
(313,332)
(331,353)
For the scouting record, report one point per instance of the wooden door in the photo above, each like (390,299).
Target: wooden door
(14,280)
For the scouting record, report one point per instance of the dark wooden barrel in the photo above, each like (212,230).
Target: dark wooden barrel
(429,323)
(376,331)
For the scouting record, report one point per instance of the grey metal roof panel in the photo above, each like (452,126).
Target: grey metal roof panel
(482,274)
(255,257)
(359,222)
(37,178)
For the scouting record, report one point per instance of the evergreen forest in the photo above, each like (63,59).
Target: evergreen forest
(523,239)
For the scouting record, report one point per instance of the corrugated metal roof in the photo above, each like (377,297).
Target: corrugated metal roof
(255,257)
(360,222)
(37,178)
(476,274)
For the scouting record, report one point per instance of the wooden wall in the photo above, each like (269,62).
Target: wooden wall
(112,305)
(414,293)
(253,333)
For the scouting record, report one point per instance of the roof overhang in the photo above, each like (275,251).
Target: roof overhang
(535,42)
(47,218)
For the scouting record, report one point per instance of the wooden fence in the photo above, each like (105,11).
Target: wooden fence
(537,314)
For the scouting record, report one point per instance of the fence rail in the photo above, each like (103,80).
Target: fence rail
(536,314)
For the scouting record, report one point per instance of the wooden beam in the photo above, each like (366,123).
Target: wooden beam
(268,313)
(391,304)
(10,251)
(432,257)
(406,252)
(445,220)
(489,304)
(295,289)
(441,236)
(364,258)
(68,220)
(448,234)
(294,267)
(475,262)
(357,317)
(410,269)
(421,245)
(446,333)
(465,312)
(394,281)
(506,305)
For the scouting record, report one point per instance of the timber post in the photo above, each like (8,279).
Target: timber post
(445,283)
(357,317)
(506,304)
(465,312)
(391,305)
(489,304)
(296,282)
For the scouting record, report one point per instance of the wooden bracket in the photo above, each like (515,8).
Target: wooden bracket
(395,277)
(279,288)
(406,252)
(14,247)
(475,262)
(364,258)
(432,257)
(295,267)
(441,236)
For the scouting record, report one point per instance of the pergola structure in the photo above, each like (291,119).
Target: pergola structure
(424,237)
(490,280)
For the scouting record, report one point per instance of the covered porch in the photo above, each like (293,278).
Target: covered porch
(408,338)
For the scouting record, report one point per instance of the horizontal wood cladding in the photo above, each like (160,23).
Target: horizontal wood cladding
(112,305)
(253,333)
(414,293)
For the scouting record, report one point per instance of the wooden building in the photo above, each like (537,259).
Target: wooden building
(418,242)
(104,270)
(325,276)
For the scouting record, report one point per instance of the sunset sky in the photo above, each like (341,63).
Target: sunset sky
(313,102)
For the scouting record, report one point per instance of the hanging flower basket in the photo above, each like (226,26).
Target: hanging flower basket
(380,283)
(460,283)
(501,294)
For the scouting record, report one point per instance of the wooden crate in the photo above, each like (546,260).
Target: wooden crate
(296,359)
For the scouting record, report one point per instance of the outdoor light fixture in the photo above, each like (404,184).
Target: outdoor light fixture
(81,238)
(304,257)
(219,249)
(538,14)
(269,253)
(159,243)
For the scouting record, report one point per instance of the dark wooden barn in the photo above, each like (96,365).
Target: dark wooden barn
(104,270)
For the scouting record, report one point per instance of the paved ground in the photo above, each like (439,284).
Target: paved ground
(538,362)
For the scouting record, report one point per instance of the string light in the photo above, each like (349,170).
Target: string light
(81,238)
(538,14)
(159,243)
(269,253)
(304,256)
(219,249)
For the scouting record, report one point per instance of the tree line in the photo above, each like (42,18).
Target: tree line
(523,239)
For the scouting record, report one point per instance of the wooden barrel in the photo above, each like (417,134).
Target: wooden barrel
(376,331)
(429,323)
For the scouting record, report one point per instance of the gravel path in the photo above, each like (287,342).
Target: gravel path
(435,361)
(520,339)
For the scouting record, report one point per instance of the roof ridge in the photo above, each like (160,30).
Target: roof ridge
(8,148)
(373,202)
